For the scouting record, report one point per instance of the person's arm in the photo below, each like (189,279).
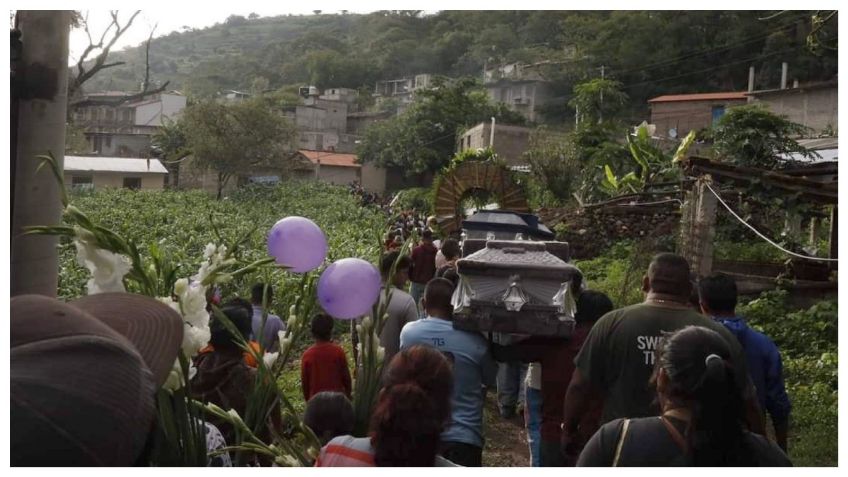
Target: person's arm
(777,401)
(753,413)
(304,377)
(577,400)
(345,374)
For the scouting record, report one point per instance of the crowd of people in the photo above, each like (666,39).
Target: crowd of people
(666,382)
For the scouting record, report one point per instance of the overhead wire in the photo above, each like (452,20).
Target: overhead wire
(770,241)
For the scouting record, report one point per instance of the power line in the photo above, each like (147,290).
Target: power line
(707,50)
(713,68)
(740,219)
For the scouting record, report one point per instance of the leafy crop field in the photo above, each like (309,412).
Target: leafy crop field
(181,223)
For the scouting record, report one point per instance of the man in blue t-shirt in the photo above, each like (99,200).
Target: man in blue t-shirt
(462,441)
(718,296)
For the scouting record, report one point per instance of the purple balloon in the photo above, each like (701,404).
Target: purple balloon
(297,243)
(348,288)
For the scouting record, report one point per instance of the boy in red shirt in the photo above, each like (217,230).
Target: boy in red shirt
(324,365)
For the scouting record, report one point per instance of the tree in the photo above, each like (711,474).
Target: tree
(171,147)
(598,100)
(423,138)
(231,138)
(753,136)
(554,163)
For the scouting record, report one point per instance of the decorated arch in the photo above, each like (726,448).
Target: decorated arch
(475,177)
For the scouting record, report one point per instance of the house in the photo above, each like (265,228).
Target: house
(340,169)
(125,130)
(233,95)
(814,105)
(322,119)
(401,90)
(522,87)
(90,172)
(676,114)
(510,142)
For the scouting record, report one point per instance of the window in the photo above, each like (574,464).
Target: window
(107,141)
(82,182)
(133,183)
(718,112)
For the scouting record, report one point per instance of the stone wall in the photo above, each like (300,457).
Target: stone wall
(591,231)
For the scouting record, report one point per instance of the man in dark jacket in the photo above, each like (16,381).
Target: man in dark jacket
(423,267)
(718,296)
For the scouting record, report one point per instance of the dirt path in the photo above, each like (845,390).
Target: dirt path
(506,440)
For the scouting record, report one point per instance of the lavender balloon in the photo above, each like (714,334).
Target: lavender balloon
(297,243)
(348,288)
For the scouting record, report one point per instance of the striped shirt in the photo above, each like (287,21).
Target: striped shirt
(349,451)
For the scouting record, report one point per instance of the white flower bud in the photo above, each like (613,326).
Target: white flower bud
(381,354)
(180,286)
(366,323)
(292,322)
(293,310)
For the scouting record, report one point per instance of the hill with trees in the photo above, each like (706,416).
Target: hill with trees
(649,53)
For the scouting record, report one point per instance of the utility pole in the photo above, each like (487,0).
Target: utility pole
(42,110)
(601,109)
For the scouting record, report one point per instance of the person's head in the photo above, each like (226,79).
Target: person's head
(437,298)
(329,415)
(322,327)
(83,377)
(668,274)
(401,275)
(239,312)
(451,249)
(450,274)
(694,372)
(718,295)
(591,306)
(412,409)
(427,236)
(257,292)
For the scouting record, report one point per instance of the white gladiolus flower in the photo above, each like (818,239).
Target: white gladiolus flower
(107,268)
(180,286)
(286,461)
(366,323)
(209,250)
(293,311)
(285,343)
(381,354)
(291,323)
(194,338)
(281,335)
(175,377)
(270,359)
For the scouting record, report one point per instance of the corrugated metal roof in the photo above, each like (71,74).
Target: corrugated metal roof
(699,97)
(113,164)
(328,158)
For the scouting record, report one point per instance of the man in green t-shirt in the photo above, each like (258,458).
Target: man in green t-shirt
(617,358)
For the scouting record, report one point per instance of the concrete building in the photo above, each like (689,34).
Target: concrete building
(815,105)
(125,130)
(677,114)
(520,86)
(94,172)
(339,169)
(401,90)
(510,142)
(233,95)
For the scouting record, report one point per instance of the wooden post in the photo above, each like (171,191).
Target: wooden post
(834,239)
(698,227)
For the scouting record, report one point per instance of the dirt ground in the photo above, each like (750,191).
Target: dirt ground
(506,439)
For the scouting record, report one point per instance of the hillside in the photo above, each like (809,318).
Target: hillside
(649,52)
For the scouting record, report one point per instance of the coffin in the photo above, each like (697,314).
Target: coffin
(516,287)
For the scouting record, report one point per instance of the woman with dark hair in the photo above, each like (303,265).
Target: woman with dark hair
(703,414)
(412,410)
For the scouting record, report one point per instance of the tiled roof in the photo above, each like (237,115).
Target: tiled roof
(329,158)
(113,164)
(699,97)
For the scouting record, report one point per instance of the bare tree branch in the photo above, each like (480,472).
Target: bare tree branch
(84,74)
(128,98)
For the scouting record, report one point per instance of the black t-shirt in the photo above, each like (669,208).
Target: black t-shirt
(618,355)
(648,443)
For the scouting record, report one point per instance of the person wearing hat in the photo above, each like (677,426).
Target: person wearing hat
(84,375)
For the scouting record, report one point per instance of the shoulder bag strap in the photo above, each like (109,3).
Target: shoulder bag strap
(624,427)
(676,436)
